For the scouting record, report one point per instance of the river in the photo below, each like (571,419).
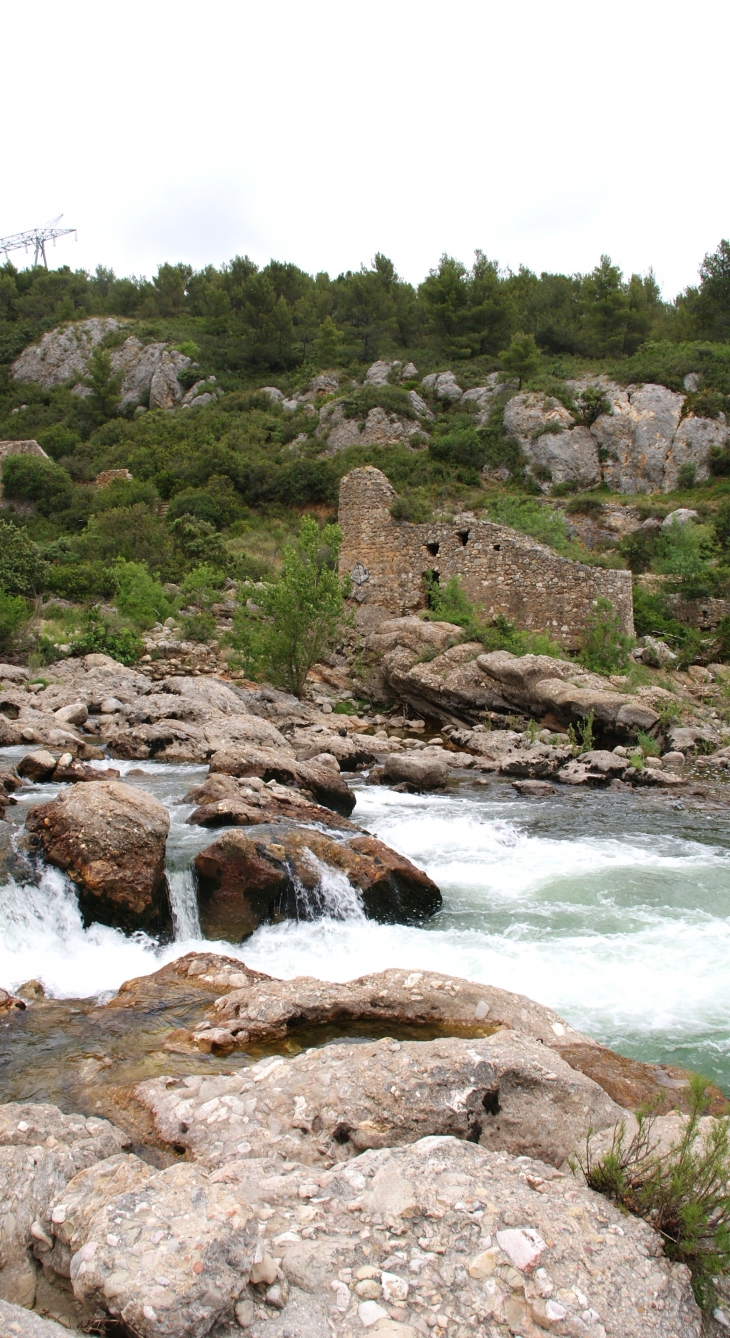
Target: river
(613,908)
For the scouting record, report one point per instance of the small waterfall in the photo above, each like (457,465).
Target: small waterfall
(184,906)
(333,896)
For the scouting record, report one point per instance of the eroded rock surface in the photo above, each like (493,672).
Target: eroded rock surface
(40,1151)
(503,1091)
(110,838)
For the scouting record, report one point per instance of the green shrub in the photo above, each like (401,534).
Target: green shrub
(13,614)
(522,358)
(687,475)
(684,553)
(22,569)
(411,506)
(140,596)
(530,517)
(198,626)
(80,580)
(592,402)
(464,446)
(358,403)
(605,647)
(586,504)
(32,478)
(202,585)
(648,745)
(683,1193)
(301,616)
(100,637)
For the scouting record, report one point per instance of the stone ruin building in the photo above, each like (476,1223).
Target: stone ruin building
(500,569)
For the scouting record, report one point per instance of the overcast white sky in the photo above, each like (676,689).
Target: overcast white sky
(544,132)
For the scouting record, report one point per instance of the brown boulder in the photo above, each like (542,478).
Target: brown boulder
(110,838)
(277,872)
(423,773)
(37,766)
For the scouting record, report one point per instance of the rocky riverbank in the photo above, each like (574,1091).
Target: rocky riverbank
(405,1185)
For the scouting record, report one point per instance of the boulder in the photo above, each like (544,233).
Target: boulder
(656,653)
(326,785)
(351,751)
(533,789)
(501,1091)
(378,374)
(379,429)
(244,880)
(40,1151)
(166,1252)
(417,770)
(684,515)
(224,801)
(110,838)
(17,1322)
(444,385)
(37,766)
(14,673)
(63,354)
(13,860)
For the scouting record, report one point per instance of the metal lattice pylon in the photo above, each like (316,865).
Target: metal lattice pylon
(37,237)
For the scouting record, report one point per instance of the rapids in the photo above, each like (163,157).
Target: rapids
(613,908)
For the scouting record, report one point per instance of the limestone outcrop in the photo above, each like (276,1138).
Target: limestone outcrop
(378,429)
(149,373)
(637,445)
(281,871)
(110,838)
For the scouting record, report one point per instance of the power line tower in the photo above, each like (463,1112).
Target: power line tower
(37,237)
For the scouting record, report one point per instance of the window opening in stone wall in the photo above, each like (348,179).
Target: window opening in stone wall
(433,548)
(464,536)
(497,547)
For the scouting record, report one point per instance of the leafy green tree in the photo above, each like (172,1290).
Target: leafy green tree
(202,585)
(686,556)
(605,647)
(365,307)
(522,358)
(328,346)
(302,614)
(605,310)
(712,303)
(23,571)
(139,596)
(13,613)
(104,399)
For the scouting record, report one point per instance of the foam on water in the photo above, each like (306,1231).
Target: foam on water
(614,912)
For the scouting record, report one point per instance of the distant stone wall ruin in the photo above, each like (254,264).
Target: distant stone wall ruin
(500,569)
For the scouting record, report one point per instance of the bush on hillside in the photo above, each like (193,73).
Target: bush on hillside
(100,637)
(32,478)
(140,596)
(22,569)
(605,649)
(13,614)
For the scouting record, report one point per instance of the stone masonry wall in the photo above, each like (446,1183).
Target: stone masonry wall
(501,570)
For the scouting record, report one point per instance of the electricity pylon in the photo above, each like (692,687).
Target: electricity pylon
(37,237)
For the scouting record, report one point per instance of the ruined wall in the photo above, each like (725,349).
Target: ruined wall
(501,570)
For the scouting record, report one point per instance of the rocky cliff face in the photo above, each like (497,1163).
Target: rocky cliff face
(149,372)
(638,445)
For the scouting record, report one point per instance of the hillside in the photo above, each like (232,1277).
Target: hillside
(582,410)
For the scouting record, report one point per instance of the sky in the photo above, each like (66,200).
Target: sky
(543,132)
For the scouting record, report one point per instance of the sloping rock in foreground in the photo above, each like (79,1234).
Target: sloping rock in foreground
(502,1091)
(167,1252)
(17,1322)
(440,1235)
(40,1151)
(280,871)
(110,838)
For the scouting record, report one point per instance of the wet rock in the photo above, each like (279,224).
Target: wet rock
(167,1252)
(417,769)
(533,789)
(14,862)
(324,784)
(534,762)
(110,838)
(37,766)
(504,1091)
(282,871)
(40,1151)
(224,801)
(68,769)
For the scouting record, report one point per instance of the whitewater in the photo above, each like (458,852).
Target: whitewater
(612,908)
